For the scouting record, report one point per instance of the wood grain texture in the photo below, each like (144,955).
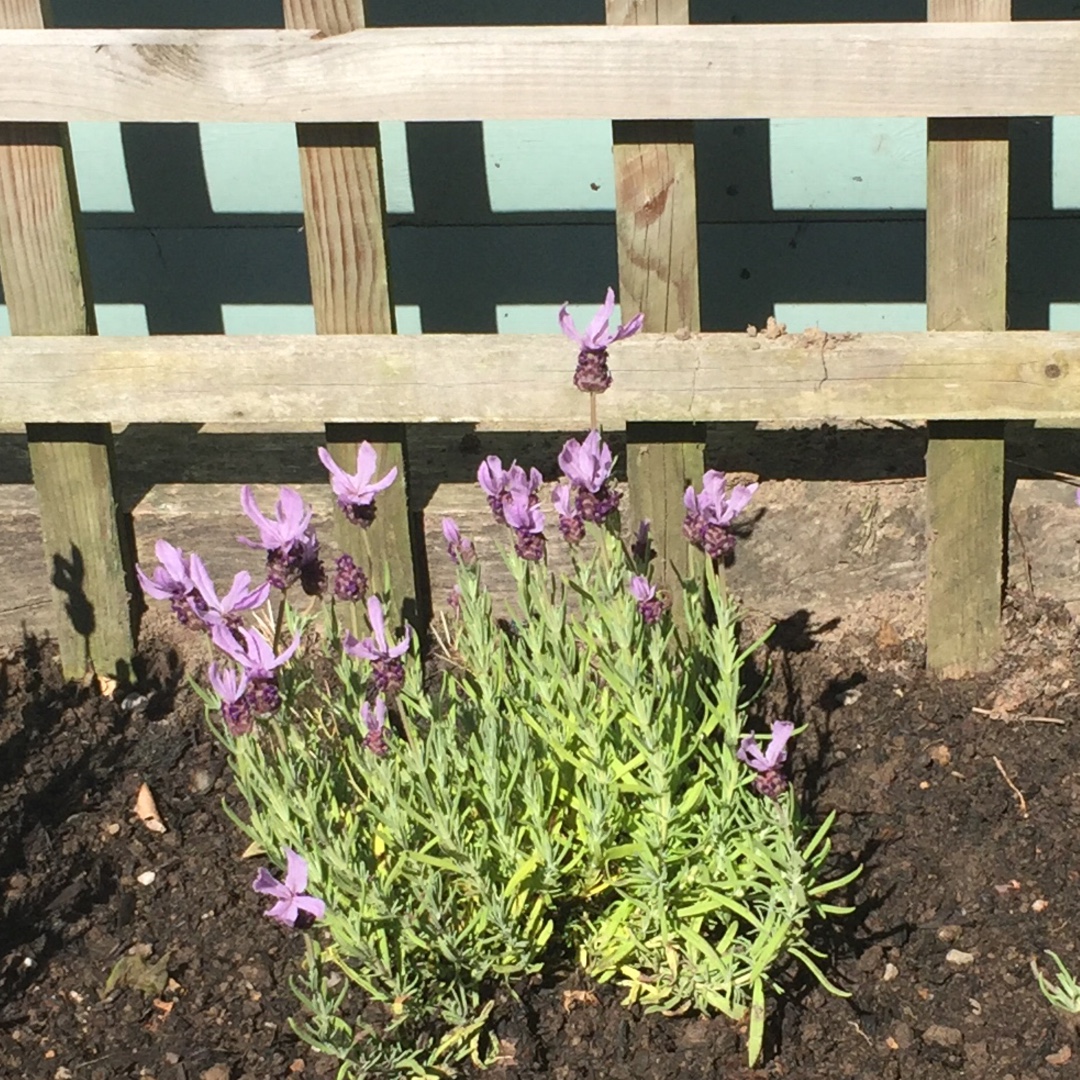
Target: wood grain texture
(480,378)
(344,225)
(967,251)
(520,73)
(42,269)
(656,227)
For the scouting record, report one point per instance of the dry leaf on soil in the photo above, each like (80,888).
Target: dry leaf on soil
(146,810)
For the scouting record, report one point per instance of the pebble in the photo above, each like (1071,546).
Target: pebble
(147,877)
(215,1072)
(201,781)
(959,958)
(890,973)
(939,1035)
(904,1035)
(949,932)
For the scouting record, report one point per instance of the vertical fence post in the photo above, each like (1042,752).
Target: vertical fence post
(43,273)
(656,223)
(343,217)
(967,216)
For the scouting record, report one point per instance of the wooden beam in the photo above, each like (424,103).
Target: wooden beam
(343,218)
(480,378)
(967,222)
(656,225)
(88,557)
(543,72)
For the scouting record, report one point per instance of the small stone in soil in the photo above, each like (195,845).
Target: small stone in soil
(939,1035)
(959,958)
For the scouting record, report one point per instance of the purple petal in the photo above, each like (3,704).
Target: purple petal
(566,324)
(377,621)
(268,885)
(296,872)
(776,754)
(596,335)
(491,476)
(312,905)
(250,507)
(630,328)
(641,589)
(451,532)
(285,911)
(749,753)
(560,499)
(361,650)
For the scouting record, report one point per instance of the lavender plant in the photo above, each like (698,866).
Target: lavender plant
(570,783)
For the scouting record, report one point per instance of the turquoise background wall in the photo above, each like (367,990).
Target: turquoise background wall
(198,228)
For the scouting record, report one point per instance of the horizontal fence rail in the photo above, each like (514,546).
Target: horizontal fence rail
(526,380)
(549,72)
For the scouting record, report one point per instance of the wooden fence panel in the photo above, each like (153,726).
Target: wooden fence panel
(543,72)
(967,221)
(43,273)
(656,224)
(341,181)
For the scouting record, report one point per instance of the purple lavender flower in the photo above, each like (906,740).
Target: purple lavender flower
(500,484)
(527,520)
(256,658)
(232,690)
(710,515)
(375,722)
(459,548)
(588,467)
(592,374)
(292,551)
(293,904)
(651,605)
(350,582)
(387,669)
(770,780)
(571,523)
(356,491)
(226,609)
(171,580)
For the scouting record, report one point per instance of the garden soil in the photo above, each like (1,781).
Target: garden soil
(960,799)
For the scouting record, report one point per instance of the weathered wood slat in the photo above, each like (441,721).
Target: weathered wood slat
(656,225)
(545,72)
(967,226)
(42,270)
(484,378)
(343,218)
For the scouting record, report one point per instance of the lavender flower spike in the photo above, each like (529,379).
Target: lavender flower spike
(650,604)
(387,668)
(458,547)
(290,523)
(592,374)
(356,491)
(587,465)
(254,654)
(292,900)
(378,646)
(598,335)
(240,597)
(375,722)
(527,520)
(770,780)
(232,689)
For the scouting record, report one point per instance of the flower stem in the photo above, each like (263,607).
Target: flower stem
(279,622)
(592,412)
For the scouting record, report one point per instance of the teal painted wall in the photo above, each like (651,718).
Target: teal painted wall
(198,228)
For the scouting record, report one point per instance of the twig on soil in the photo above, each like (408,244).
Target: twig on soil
(855,1025)
(1015,790)
(1020,718)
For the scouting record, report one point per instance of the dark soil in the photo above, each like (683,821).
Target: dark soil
(928,793)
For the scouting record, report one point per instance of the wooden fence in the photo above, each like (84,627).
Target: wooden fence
(967,69)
